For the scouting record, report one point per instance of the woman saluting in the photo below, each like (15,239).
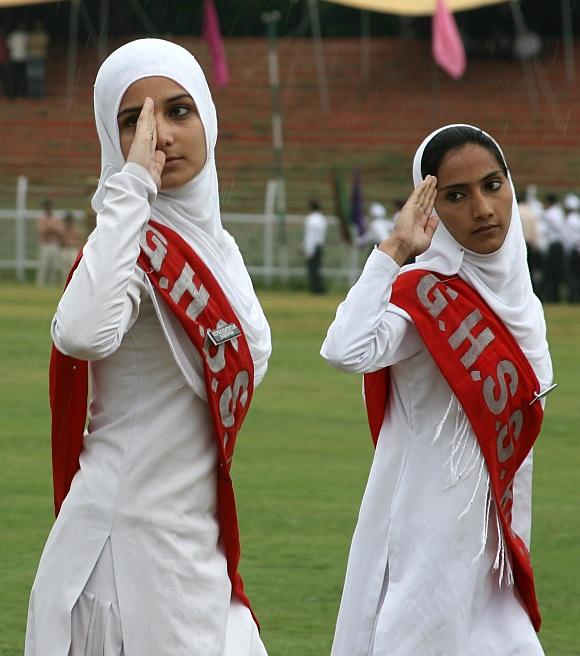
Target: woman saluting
(160,327)
(455,359)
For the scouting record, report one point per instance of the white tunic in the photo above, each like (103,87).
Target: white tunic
(420,578)
(146,487)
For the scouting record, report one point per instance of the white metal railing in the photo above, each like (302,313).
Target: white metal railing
(257,235)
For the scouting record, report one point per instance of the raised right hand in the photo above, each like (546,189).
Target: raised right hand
(143,148)
(415,224)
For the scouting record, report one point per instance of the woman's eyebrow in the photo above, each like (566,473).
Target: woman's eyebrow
(492,174)
(166,101)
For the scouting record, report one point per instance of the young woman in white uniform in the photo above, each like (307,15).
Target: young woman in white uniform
(428,573)
(134,564)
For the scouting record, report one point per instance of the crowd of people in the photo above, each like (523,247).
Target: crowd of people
(59,241)
(551,232)
(23,61)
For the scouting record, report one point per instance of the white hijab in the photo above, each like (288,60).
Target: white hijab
(192,210)
(501,278)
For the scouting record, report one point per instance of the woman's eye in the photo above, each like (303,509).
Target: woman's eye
(454,196)
(494,185)
(179,110)
(130,121)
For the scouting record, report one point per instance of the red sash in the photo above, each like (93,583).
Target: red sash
(194,296)
(491,378)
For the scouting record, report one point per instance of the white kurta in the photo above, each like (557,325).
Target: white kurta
(145,493)
(420,578)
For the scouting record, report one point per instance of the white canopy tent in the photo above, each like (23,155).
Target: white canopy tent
(413,7)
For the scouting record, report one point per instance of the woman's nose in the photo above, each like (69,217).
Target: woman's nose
(481,208)
(164,133)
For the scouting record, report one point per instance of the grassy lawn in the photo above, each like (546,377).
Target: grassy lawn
(300,469)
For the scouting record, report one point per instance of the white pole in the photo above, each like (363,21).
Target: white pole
(271,20)
(20,227)
(314,15)
(269,223)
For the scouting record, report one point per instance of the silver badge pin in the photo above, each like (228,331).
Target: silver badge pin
(540,395)
(224,334)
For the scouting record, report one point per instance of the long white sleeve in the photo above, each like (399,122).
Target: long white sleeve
(366,335)
(102,299)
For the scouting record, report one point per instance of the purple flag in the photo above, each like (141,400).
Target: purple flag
(356,204)
(448,49)
(213,38)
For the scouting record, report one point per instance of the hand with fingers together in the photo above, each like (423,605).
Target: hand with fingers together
(415,224)
(143,148)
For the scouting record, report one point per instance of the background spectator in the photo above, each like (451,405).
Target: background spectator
(50,232)
(314,240)
(70,243)
(531,229)
(38,41)
(554,260)
(572,209)
(17,43)
(379,226)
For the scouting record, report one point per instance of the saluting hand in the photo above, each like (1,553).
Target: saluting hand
(415,224)
(143,148)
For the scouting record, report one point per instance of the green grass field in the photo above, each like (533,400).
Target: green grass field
(300,470)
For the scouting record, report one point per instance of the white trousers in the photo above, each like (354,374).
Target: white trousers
(96,622)
(95,618)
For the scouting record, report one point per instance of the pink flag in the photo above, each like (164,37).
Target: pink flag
(448,49)
(213,38)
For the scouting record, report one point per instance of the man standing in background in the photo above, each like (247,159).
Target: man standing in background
(554,222)
(572,209)
(35,66)
(17,42)
(314,239)
(50,232)
(70,243)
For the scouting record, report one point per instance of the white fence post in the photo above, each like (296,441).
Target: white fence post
(20,227)
(269,216)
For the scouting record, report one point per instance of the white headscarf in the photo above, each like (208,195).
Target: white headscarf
(192,210)
(501,278)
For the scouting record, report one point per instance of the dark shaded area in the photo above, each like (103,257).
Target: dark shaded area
(244,19)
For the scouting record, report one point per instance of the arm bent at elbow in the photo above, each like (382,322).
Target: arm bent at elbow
(366,336)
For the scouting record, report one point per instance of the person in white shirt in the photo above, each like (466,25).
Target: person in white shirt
(571,205)
(142,558)
(17,42)
(427,573)
(314,239)
(380,226)
(531,228)
(554,261)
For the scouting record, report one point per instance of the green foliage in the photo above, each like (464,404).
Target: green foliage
(300,470)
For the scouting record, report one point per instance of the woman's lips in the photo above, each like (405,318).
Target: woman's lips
(486,228)
(171,162)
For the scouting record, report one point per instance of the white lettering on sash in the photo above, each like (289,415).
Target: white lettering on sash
(506,437)
(199,295)
(478,343)
(439,302)
(505,369)
(156,255)
(229,398)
